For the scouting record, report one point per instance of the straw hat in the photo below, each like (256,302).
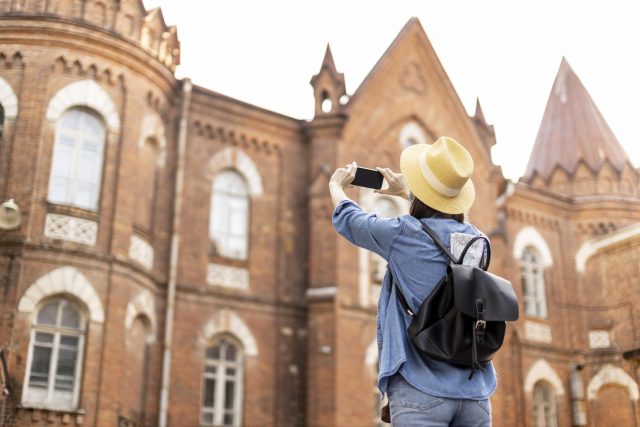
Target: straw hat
(439,175)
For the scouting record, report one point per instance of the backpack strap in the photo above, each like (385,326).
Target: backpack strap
(400,295)
(438,242)
(484,265)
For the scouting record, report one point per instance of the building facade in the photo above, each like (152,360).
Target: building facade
(176,264)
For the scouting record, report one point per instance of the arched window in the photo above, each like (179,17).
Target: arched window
(147,182)
(544,406)
(55,356)
(222,384)
(533,289)
(137,369)
(384,207)
(229,217)
(76,169)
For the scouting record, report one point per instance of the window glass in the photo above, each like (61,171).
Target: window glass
(76,167)
(222,382)
(533,286)
(229,220)
(55,356)
(544,406)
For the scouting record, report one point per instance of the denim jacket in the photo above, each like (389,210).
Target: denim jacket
(417,265)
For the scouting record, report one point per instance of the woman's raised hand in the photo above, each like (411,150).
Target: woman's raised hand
(344,176)
(396,185)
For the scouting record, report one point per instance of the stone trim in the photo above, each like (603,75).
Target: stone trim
(591,247)
(412,130)
(327,292)
(153,127)
(71,228)
(141,251)
(599,339)
(84,93)
(142,305)
(233,158)
(529,236)
(227,276)
(371,357)
(9,100)
(63,280)
(610,374)
(542,371)
(535,331)
(227,321)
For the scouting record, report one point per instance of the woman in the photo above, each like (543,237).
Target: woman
(421,391)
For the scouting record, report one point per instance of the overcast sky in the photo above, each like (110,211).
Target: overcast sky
(506,52)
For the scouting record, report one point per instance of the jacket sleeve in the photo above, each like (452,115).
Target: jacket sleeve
(366,230)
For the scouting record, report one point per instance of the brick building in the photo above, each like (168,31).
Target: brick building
(161,276)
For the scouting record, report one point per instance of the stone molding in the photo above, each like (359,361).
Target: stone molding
(610,374)
(84,93)
(153,127)
(371,357)
(227,321)
(9,100)
(227,276)
(591,247)
(70,228)
(599,339)
(412,130)
(542,371)
(529,236)
(142,305)
(233,158)
(141,251)
(63,280)
(535,331)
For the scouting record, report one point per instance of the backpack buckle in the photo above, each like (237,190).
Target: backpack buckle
(480,326)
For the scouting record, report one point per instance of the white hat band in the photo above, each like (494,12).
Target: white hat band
(434,181)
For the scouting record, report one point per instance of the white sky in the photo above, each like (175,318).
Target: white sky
(507,52)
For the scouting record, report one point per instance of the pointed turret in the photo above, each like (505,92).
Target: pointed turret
(479,115)
(572,132)
(328,86)
(486,131)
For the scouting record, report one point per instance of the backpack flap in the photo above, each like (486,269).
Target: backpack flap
(472,285)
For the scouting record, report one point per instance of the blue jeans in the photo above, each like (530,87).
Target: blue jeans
(411,407)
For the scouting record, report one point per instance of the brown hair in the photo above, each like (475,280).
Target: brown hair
(420,210)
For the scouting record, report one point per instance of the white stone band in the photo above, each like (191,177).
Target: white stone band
(434,181)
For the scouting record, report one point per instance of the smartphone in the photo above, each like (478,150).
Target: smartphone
(369,178)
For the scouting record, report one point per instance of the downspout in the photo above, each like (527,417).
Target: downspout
(175,246)
(578,410)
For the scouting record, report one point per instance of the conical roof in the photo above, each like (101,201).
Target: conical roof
(573,130)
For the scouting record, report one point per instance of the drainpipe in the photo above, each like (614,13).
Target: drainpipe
(175,245)
(578,412)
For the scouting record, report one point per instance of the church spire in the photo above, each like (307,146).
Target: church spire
(573,131)
(328,86)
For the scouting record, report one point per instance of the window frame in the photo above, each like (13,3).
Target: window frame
(221,366)
(217,252)
(532,276)
(76,151)
(57,331)
(542,406)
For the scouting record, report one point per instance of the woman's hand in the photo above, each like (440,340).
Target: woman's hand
(342,177)
(396,185)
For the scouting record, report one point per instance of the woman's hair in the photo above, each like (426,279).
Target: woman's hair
(420,210)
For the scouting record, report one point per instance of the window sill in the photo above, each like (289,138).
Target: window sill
(53,408)
(231,262)
(51,414)
(74,211)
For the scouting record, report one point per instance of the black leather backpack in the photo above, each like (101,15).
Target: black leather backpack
(463,320)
